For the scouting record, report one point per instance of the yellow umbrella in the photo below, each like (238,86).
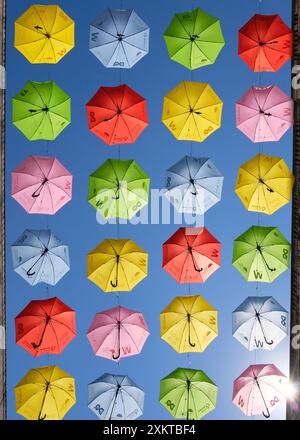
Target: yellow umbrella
(264,184)
(44,34)
(189,324)
(45,393)
(117,265)
(192,111)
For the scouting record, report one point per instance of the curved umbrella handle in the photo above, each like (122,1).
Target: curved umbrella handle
(117,197)
(42,418)
(194,193)
(30,274)
(267,416)
(269,342)
(192,344)
(116,357)
(114,284)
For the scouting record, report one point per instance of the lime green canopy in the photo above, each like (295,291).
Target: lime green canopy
(188,394)
(194,39)
(261,253)
(119,188)
(41,110)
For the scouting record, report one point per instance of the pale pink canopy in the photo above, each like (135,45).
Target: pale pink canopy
(259,389)
(41,185)
(264,114)
(118,333)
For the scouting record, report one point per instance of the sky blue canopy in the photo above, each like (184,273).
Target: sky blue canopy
(40,257)
(119,38)
(115,397)
(260,322)
(194,185)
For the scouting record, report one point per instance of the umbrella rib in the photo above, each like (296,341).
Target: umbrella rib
(38,92)
(40,17)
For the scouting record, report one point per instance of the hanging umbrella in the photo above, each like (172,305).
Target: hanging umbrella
(117,265)
(188,394)
(119,38)
(259,323)
(115,397)
(40,257)
(192,111)
(264,114)
(44,34)
(265,43)
(189,324)
(118,333)
(41,185)
(194,39)
(45,327)
(194,185)
(45,393)
(119,188)
(117,115)
(261,253)
(264,184)
(41,110)
(259,389)
(191,255)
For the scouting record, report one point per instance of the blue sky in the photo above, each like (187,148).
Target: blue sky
(80,74)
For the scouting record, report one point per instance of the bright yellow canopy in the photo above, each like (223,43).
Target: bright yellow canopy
(192,111)
(264,184)
(189,324)
(45,393)
(44,34)
(117,265)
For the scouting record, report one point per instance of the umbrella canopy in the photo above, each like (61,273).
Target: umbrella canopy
(41,185)
(259,389)
(41,110)
(117,115)
(265,43)
(117,333)
(189,324)
(264,184)
(194,39)
(264,114)
(194,185)
(261,254)
(191,255)
(119,38)
(44,34)
(192,111)
(45,393)
(115,397)
(259,323)
(119,188)
(117,265)
(45,327)
(188,394)
(40,257)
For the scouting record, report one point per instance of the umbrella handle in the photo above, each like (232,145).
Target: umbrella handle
(269,342)
(42,418)
(267,416)
(114,284)
(30,274)
(194,193)
(192,344)
(116,357)
(117,197)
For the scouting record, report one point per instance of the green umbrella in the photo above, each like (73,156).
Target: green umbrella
(41,110)
(194,39)
(119,188)
(188,393)
(261,253)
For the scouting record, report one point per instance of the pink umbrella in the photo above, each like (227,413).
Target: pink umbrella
(41,185)
(264,114)
(117,333)
(259,389)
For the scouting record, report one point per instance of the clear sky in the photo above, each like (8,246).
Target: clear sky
(81,74)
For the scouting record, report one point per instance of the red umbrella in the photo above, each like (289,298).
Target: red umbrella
(117,115)
(191,255)
(265,43)
(45,327)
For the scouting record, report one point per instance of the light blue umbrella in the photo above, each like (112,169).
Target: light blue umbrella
(115,397)
(260,322)
(40,257)
(119,38)
(194,184)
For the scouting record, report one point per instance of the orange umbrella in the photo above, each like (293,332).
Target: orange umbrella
(191,255)
(117,115)
(45,327)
